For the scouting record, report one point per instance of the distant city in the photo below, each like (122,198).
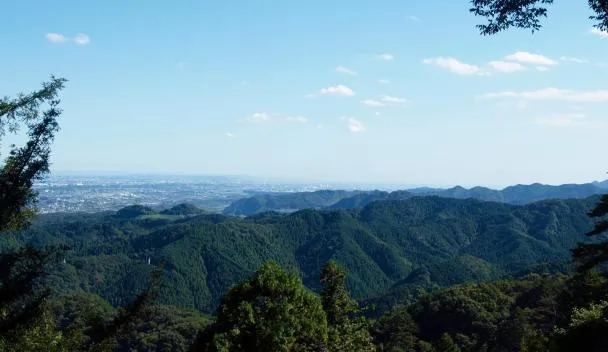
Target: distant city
(94,193)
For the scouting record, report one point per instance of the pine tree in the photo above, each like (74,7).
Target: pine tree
(590,255)
(347,330)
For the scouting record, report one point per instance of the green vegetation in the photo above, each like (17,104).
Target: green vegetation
(392,247)
(285,202)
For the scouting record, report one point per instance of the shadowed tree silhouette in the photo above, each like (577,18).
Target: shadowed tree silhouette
(527,14)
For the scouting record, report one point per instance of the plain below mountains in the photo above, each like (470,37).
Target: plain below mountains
(392,248)
(518,194)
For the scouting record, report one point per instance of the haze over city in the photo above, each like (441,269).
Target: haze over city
(381,92)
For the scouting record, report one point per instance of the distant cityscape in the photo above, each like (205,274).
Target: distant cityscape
(90,193)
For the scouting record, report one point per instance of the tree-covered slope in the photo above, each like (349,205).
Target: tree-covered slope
(420,242)
(286,202)
(518,194)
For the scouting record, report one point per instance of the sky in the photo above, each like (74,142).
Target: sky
(384,91)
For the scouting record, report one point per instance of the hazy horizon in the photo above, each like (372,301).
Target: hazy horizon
(380,92)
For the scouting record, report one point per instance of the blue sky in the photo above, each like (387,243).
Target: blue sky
(385,91)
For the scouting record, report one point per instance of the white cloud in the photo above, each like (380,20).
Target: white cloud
(542,68)
(336,90)
(56,38)
(414,18)
(343,69)
(530,58)
(377,113)
(553,94)
(385,57)
(371,102)
(453,65)
(385,100)
(573,59)
(393,100)
(300,119)
(562,120)
(384,81)
(506,66)
(258,117)
(603,34)
(81,39)
(229,135)
(355,125)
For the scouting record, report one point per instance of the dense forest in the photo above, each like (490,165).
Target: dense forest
(518,194)
(409,246)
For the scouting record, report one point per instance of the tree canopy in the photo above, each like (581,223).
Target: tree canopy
(527,14)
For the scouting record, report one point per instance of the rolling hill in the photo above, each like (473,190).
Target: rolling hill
(418,243)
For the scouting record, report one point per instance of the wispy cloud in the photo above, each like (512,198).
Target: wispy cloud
(56,38)
(385,100)
(530,58)
(384,81)
(414,18)
(348,71)
(258,117)
(299,119)
(371,102)
(453,65)
(561,120)
(393,100)
(555,94)
(80,38)
(506,66)
(229,135)
(542,68)
(385,57)
(340,90)
(573,59)
(598,32)
(355,125)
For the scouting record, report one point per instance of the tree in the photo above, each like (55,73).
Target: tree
(396,331)
(347,331)
(590,255)
(446,344)
(526,14)
(272,311)
(24,165)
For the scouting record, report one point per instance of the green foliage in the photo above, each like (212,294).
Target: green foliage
(591,255)
(272,311)
(446,344)
(347,331)
(401,249)
(286,202)
(396,331)
(28,163)
(526,14)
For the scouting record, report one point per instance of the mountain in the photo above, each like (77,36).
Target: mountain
(419,242)
(518,194)
(601,184)
(183,209)
(286,202)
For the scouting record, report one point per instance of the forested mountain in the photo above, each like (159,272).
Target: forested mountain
(418,243)
(285,202)
(518,194)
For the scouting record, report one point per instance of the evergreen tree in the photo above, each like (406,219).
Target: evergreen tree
(347,330)
(272,311)
(446,344)
(590,255)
